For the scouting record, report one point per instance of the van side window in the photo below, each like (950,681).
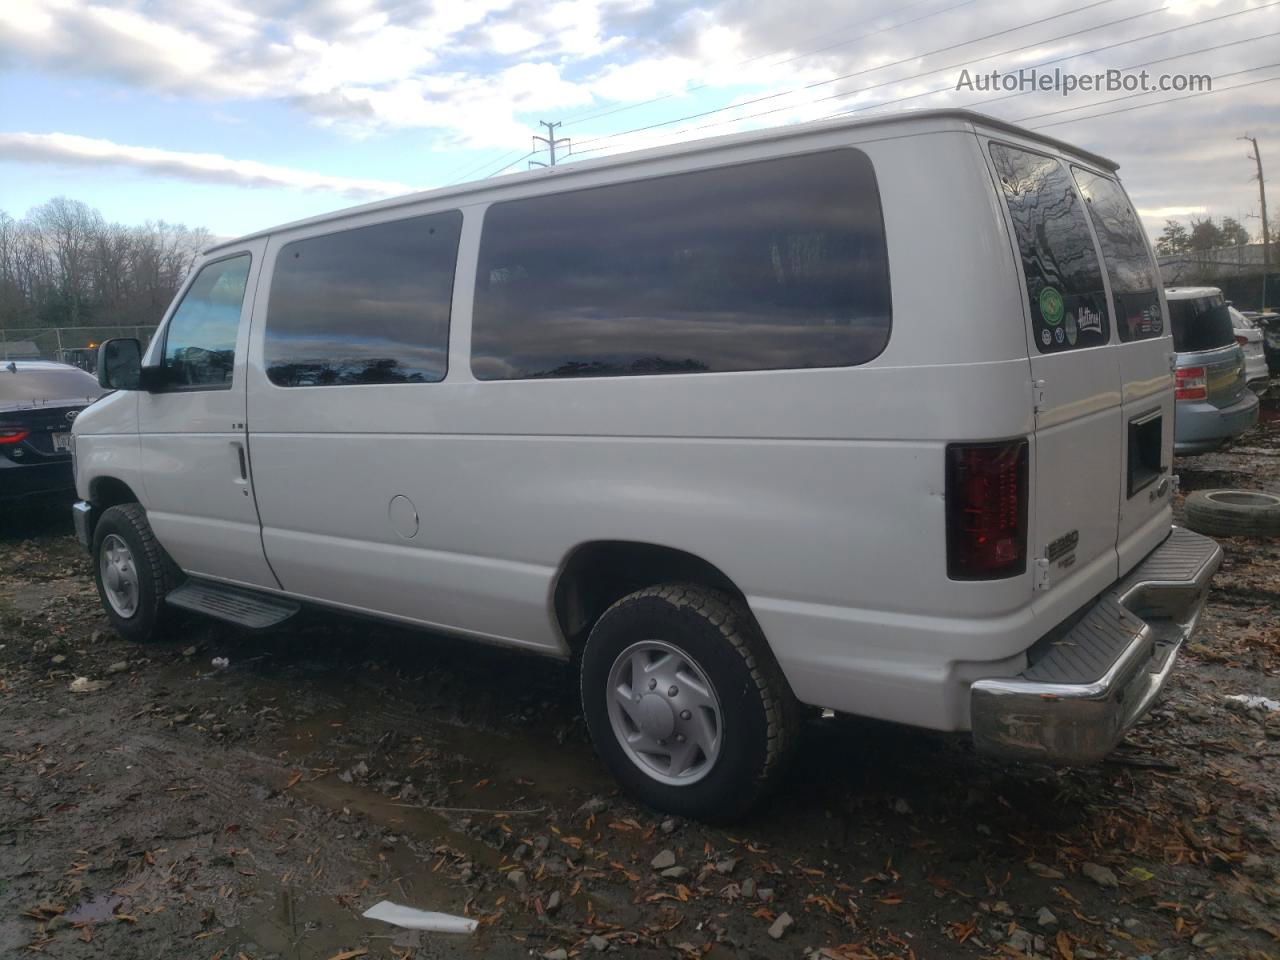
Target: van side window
(200,341)
(1059,261)
(368,305)
(1124,250)
(776,264)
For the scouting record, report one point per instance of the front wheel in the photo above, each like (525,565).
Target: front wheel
(133,573)
(685,702)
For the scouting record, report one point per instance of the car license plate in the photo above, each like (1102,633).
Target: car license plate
(62,441)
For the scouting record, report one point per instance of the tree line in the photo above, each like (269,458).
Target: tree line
(1203,235)
(64,265)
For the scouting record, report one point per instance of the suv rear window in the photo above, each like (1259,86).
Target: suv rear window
(1124,249)
(776,264)
(1064,280)
(1200,323)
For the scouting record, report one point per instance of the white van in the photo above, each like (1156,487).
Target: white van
(871,416)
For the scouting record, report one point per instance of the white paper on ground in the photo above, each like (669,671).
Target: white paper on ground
(413,919)
(1253,701)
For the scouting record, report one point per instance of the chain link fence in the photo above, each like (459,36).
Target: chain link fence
(75,345)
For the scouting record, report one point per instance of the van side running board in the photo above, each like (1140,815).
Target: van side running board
(245,608)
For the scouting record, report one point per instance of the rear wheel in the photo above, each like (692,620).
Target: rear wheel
(685,702)
(132,572)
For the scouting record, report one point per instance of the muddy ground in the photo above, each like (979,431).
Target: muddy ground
(254,810)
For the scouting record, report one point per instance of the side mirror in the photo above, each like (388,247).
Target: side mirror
(120,364)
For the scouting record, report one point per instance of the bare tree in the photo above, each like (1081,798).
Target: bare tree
(64,265)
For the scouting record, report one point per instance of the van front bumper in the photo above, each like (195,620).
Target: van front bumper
(1089,682)
(82,515)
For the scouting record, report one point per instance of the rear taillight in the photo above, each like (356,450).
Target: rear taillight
(986,510)
(12,436)
(1191,384)
(1243,341)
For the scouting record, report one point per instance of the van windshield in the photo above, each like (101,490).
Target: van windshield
(1200,323)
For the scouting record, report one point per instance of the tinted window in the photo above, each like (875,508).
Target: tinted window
(777,264)
(1064,281)
(369,305)
(1134,296)
(200,342)
(1201,323)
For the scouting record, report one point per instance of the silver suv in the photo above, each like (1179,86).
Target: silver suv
(1214,403)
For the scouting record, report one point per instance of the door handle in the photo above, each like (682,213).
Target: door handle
(244,464)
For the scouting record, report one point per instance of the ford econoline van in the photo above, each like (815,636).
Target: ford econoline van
(871,416)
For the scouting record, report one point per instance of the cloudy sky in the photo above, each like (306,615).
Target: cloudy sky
(236,115)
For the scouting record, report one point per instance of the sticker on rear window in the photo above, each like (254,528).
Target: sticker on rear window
(1051,306)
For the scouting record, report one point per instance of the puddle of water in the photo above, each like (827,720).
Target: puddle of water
(99,909)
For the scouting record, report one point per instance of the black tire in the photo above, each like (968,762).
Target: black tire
(157,573)
(1233,513)
(760,716)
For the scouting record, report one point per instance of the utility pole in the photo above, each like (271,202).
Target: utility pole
(551,142)
(1256,157)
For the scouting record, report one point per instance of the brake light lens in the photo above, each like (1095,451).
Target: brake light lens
(986,510)
(12,436)
(1191,384)
(1243,341)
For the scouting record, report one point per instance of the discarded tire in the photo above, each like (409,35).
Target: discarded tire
(1234,513)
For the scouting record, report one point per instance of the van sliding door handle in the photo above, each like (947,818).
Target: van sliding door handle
(244,465)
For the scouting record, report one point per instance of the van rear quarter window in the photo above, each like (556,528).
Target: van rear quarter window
(1124,250)
(1064,279)
(368,305)
(1200,323)
(767,265)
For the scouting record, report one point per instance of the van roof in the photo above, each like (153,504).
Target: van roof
(966,119)
(1190,293)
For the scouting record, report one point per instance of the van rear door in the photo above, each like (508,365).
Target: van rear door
(1075,376)
(1144,354)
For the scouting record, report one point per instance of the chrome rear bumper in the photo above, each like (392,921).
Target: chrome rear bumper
(1088,684)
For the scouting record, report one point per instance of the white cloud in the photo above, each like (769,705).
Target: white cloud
(63,148)
(477,73)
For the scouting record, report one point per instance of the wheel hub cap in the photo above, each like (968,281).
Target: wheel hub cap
(657,719)
(120,580)
(664,712)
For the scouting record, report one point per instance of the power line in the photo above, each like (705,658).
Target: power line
(1143,106)
(477,167)
(952,66)
(582,118)
(1074,56)
(857,73)
(1134,96)
(494,173)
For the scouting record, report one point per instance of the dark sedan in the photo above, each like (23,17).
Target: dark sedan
(38,402)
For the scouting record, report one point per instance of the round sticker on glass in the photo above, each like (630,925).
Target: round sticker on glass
(1046,337)
(1051,306)
(1073,333)
(1057,334)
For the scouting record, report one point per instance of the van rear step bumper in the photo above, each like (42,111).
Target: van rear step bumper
(246,608)
(1087,686)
